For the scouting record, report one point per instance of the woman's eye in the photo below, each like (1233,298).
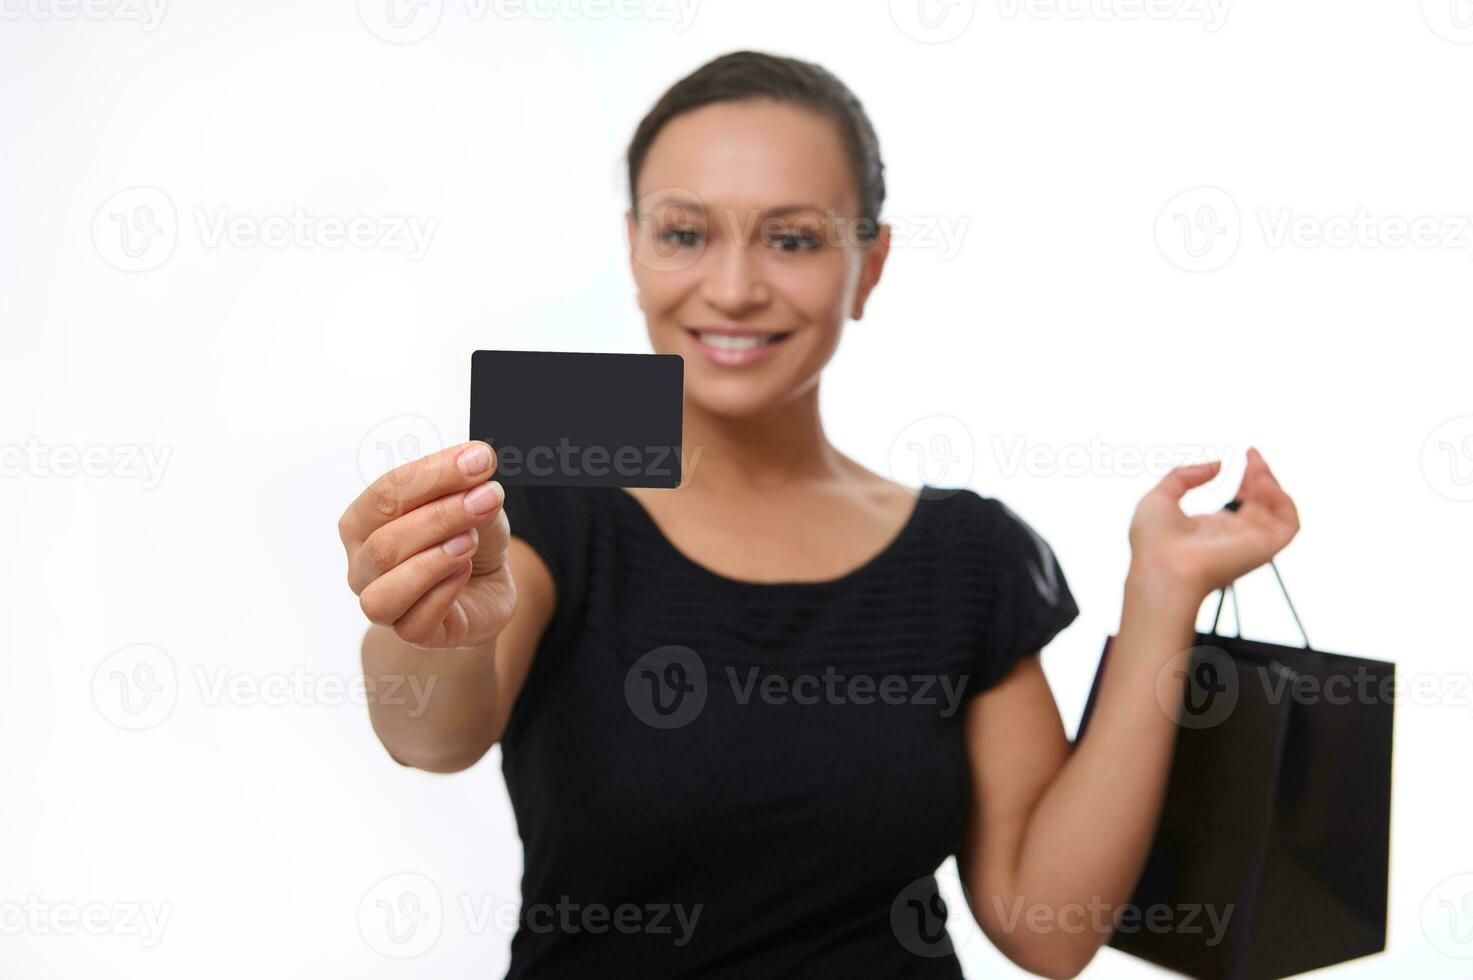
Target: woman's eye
(801,242)
(683,237)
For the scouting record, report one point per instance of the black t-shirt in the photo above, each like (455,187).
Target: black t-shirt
(718,778)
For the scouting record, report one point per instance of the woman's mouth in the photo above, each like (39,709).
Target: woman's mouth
(736,347)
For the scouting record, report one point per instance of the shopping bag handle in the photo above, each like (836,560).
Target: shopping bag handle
(1233,505)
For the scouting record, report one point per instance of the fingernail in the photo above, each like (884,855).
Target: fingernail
(475,459)
(461,544)
(484,499)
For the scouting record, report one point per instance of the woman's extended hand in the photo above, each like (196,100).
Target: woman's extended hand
(1195,555)
(426,547)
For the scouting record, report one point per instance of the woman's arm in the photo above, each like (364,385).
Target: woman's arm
(457,605)
(1057,839)
(448,707)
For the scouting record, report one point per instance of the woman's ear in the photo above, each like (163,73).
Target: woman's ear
(873,264)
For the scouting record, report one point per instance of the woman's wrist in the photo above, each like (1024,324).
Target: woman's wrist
(1160,596)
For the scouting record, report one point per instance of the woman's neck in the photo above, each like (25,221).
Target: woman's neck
(769,451)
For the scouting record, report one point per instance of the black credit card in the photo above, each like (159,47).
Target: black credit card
(579,420)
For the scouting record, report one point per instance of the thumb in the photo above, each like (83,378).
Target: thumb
(493,534)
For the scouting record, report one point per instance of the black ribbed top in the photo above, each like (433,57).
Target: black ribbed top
(721,778)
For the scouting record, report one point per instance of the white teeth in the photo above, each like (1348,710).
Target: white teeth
(726,341)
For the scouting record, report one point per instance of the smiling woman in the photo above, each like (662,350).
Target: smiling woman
(610,641)
(756,186)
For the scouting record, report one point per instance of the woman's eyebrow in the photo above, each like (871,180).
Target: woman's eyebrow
(780,211)
(787,209)
(674,202)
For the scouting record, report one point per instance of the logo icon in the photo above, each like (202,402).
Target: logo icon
(666,688)
(1209,692)
(1199,229)
(937,452)
(136,229)
(136,687)
(394,442)
(401,916)
(401,21)
(671,228)
(1451,20)
(1447,458)
(932,21)
(1447,917)
(919,915)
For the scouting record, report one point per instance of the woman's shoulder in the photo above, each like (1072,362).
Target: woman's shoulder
(964,504)
(985,527)
(962,508)
(955,516)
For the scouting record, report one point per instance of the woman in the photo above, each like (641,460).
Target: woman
(743,723)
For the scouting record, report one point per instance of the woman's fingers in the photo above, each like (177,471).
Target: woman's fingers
(411,486)
(415,537)
(390,596)
(1160,508)
(436,619)
(1179,480)
(435,522)
(1246,537)
(1271,494)
(1213,549)
(1264,500)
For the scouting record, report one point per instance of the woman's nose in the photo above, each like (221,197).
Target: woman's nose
(735,282)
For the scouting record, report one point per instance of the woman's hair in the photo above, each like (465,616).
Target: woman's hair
(745,75)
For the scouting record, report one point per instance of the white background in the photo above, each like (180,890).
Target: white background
(1047,163)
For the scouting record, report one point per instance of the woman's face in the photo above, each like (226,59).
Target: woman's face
(746,250)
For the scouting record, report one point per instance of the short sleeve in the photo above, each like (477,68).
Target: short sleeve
(554,522)
(1030,602)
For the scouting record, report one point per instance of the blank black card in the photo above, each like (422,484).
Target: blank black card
(579,420)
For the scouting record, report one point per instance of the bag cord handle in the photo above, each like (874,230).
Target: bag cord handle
(1233,505)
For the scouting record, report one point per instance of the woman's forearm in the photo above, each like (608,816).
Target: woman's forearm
(430,707)
(1088,837)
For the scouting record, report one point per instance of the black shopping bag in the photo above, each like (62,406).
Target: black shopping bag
(1271,854)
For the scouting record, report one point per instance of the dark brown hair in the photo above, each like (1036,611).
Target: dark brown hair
(744,75)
